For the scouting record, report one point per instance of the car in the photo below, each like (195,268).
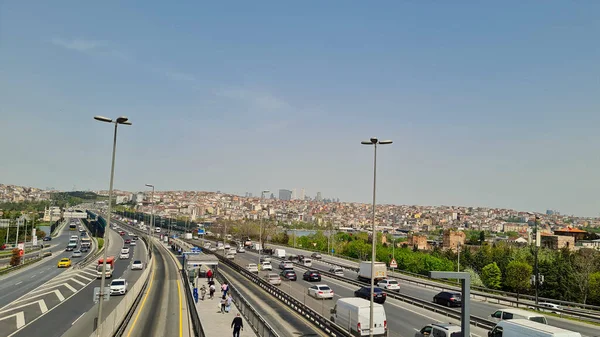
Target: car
(132,243)
(265,259)
(118,287)
(65,262)
(227,246)
(213,249)
(389,284)
(273,279)
(316,256)
(82,234)
(266,266)
(127,241)
(134,237)
(365,292)
(130,234)
(289,274)
(84,249)
(241,250)
(286,265)
(252,267)
(338,271)
(439,329)
(448,299)
(124,256)
(312,275)
(137,265)
(320,291)
(548,307)
(76,253)
(47,238)
(230,256)
(121,233)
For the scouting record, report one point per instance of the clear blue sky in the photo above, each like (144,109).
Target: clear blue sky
(488,105)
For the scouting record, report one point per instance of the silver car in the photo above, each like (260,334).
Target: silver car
(273,279)
(76,253)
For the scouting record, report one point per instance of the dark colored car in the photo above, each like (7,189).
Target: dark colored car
(378,295)
(311,275)
(316,256)
(288,274)
(84,249)
(448,299)
(83,234)
(47,238)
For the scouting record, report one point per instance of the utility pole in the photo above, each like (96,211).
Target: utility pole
(536,272)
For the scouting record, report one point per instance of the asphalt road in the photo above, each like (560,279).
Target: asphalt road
(20,282)
(286,322)
(403,319)
(78,312)
(478,308)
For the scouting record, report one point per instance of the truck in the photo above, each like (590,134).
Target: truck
(110,266)
(524,327)
(352,313)
(280,253)
(364,271)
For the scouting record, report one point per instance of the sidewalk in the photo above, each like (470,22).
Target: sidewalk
(213,321)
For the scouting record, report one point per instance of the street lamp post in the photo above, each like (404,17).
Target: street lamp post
(151,225)
(537,272)
(260,227)
(125,121)
(373,141)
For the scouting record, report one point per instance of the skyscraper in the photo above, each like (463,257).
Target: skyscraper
(301,194)
(293,194)
(319,197)
(285,194)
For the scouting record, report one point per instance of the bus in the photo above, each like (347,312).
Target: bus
(73,227)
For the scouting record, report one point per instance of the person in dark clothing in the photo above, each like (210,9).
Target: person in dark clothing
(237,324)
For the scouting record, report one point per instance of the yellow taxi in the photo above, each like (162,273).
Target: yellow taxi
(64,263)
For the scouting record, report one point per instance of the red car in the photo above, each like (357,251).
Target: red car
(128,241)
(121,233)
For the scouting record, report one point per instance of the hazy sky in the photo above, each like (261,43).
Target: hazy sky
(488,105)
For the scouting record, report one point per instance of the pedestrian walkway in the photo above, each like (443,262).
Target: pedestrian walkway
(213,321)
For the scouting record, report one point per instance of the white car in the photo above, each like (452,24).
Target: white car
(76,253)
(118,287)
(320,291)
(266,266)
(227,246)
(252,267)
(338,271)
(241,250)
(230,256)
(213,249)
(124,256)
(286,265)
(389,284)
(137,265)
(273,279)
(132,243)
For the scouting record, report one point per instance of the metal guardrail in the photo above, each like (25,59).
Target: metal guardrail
(256,321)
(481,291)
(191,304)
(309,314)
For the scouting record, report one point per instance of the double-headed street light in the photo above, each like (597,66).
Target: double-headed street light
(151,224)
(125,121)
(260,247)
(373,141)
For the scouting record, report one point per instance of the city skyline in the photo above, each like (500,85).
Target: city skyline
(487,104)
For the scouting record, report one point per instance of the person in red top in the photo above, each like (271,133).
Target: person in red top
(209,275)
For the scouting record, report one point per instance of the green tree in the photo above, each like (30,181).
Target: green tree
(481,237)
(491,276)
(595,288)
(518,276)
(475,279)
(585,265)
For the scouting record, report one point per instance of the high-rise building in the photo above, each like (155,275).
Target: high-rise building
(285,194)
(301,197)
(293,194)
(319,197)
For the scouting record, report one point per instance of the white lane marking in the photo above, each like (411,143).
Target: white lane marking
(78,282)
(57,292)
(32,276)
(41,303)
(20,316)
(18,283)
(77,318)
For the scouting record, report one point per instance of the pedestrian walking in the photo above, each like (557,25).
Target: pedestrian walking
(203,291)
(223,304)
(212,290)
(224,288)
(228,304)
(237,324)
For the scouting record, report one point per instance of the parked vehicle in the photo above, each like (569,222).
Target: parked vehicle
(280,253)
(353,315)
(524,327)
(440,330)
(364,271)
(510,313)
(118,287)
(365,292)
(110,266)
(273,279)
(389,284)
(312,275)
(448,299)
(321,291)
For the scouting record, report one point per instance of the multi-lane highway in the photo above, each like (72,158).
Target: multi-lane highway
(162,310)
(403,319)
(478,307)
(15,284)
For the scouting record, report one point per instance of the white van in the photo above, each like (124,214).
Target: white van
(307,262)
(352,313)
(509,313)
(526,328)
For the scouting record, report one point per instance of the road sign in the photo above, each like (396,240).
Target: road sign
(196,250)
(21,246)
(201,231)
(332,250)
(106,294)
(393,264)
